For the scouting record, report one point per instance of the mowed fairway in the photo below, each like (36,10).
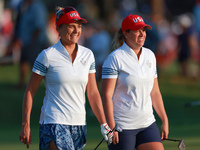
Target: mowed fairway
(184,122)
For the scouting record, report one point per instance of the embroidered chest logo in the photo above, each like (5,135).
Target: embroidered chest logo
(83,62)
(148,63)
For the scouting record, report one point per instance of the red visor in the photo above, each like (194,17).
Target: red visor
(70,17)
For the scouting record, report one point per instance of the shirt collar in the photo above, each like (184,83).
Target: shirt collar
(62,49)
(130,51)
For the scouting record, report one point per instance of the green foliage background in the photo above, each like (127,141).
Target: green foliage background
(176,91)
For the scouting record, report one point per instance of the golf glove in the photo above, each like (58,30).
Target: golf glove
(107,133)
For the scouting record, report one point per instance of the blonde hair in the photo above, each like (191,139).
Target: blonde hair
(118,40)
(58,12)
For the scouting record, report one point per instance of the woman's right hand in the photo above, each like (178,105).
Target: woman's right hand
(115,139)
(25,135)
(33,84)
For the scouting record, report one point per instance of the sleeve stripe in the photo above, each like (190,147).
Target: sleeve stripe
(92,67)
(38,66)
(109,71)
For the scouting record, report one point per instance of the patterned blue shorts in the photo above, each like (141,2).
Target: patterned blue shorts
(65,137)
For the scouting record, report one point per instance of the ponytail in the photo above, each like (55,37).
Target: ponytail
(118,40)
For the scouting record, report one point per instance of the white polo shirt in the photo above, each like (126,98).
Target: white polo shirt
(65,82)
(135,78)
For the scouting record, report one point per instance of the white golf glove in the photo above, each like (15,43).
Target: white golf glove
(107,133)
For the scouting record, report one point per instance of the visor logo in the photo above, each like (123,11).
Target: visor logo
(138,19)
(74,15)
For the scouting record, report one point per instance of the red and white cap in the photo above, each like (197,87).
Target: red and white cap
(134,22)
(68,15)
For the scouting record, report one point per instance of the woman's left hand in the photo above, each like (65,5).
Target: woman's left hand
(164,131)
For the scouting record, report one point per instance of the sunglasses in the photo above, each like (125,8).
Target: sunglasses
(62,12)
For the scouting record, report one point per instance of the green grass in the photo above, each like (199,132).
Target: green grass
(176,91)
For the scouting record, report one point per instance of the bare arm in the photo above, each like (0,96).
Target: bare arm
(158,105)
(108,87)
(34,82)
(95,99)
